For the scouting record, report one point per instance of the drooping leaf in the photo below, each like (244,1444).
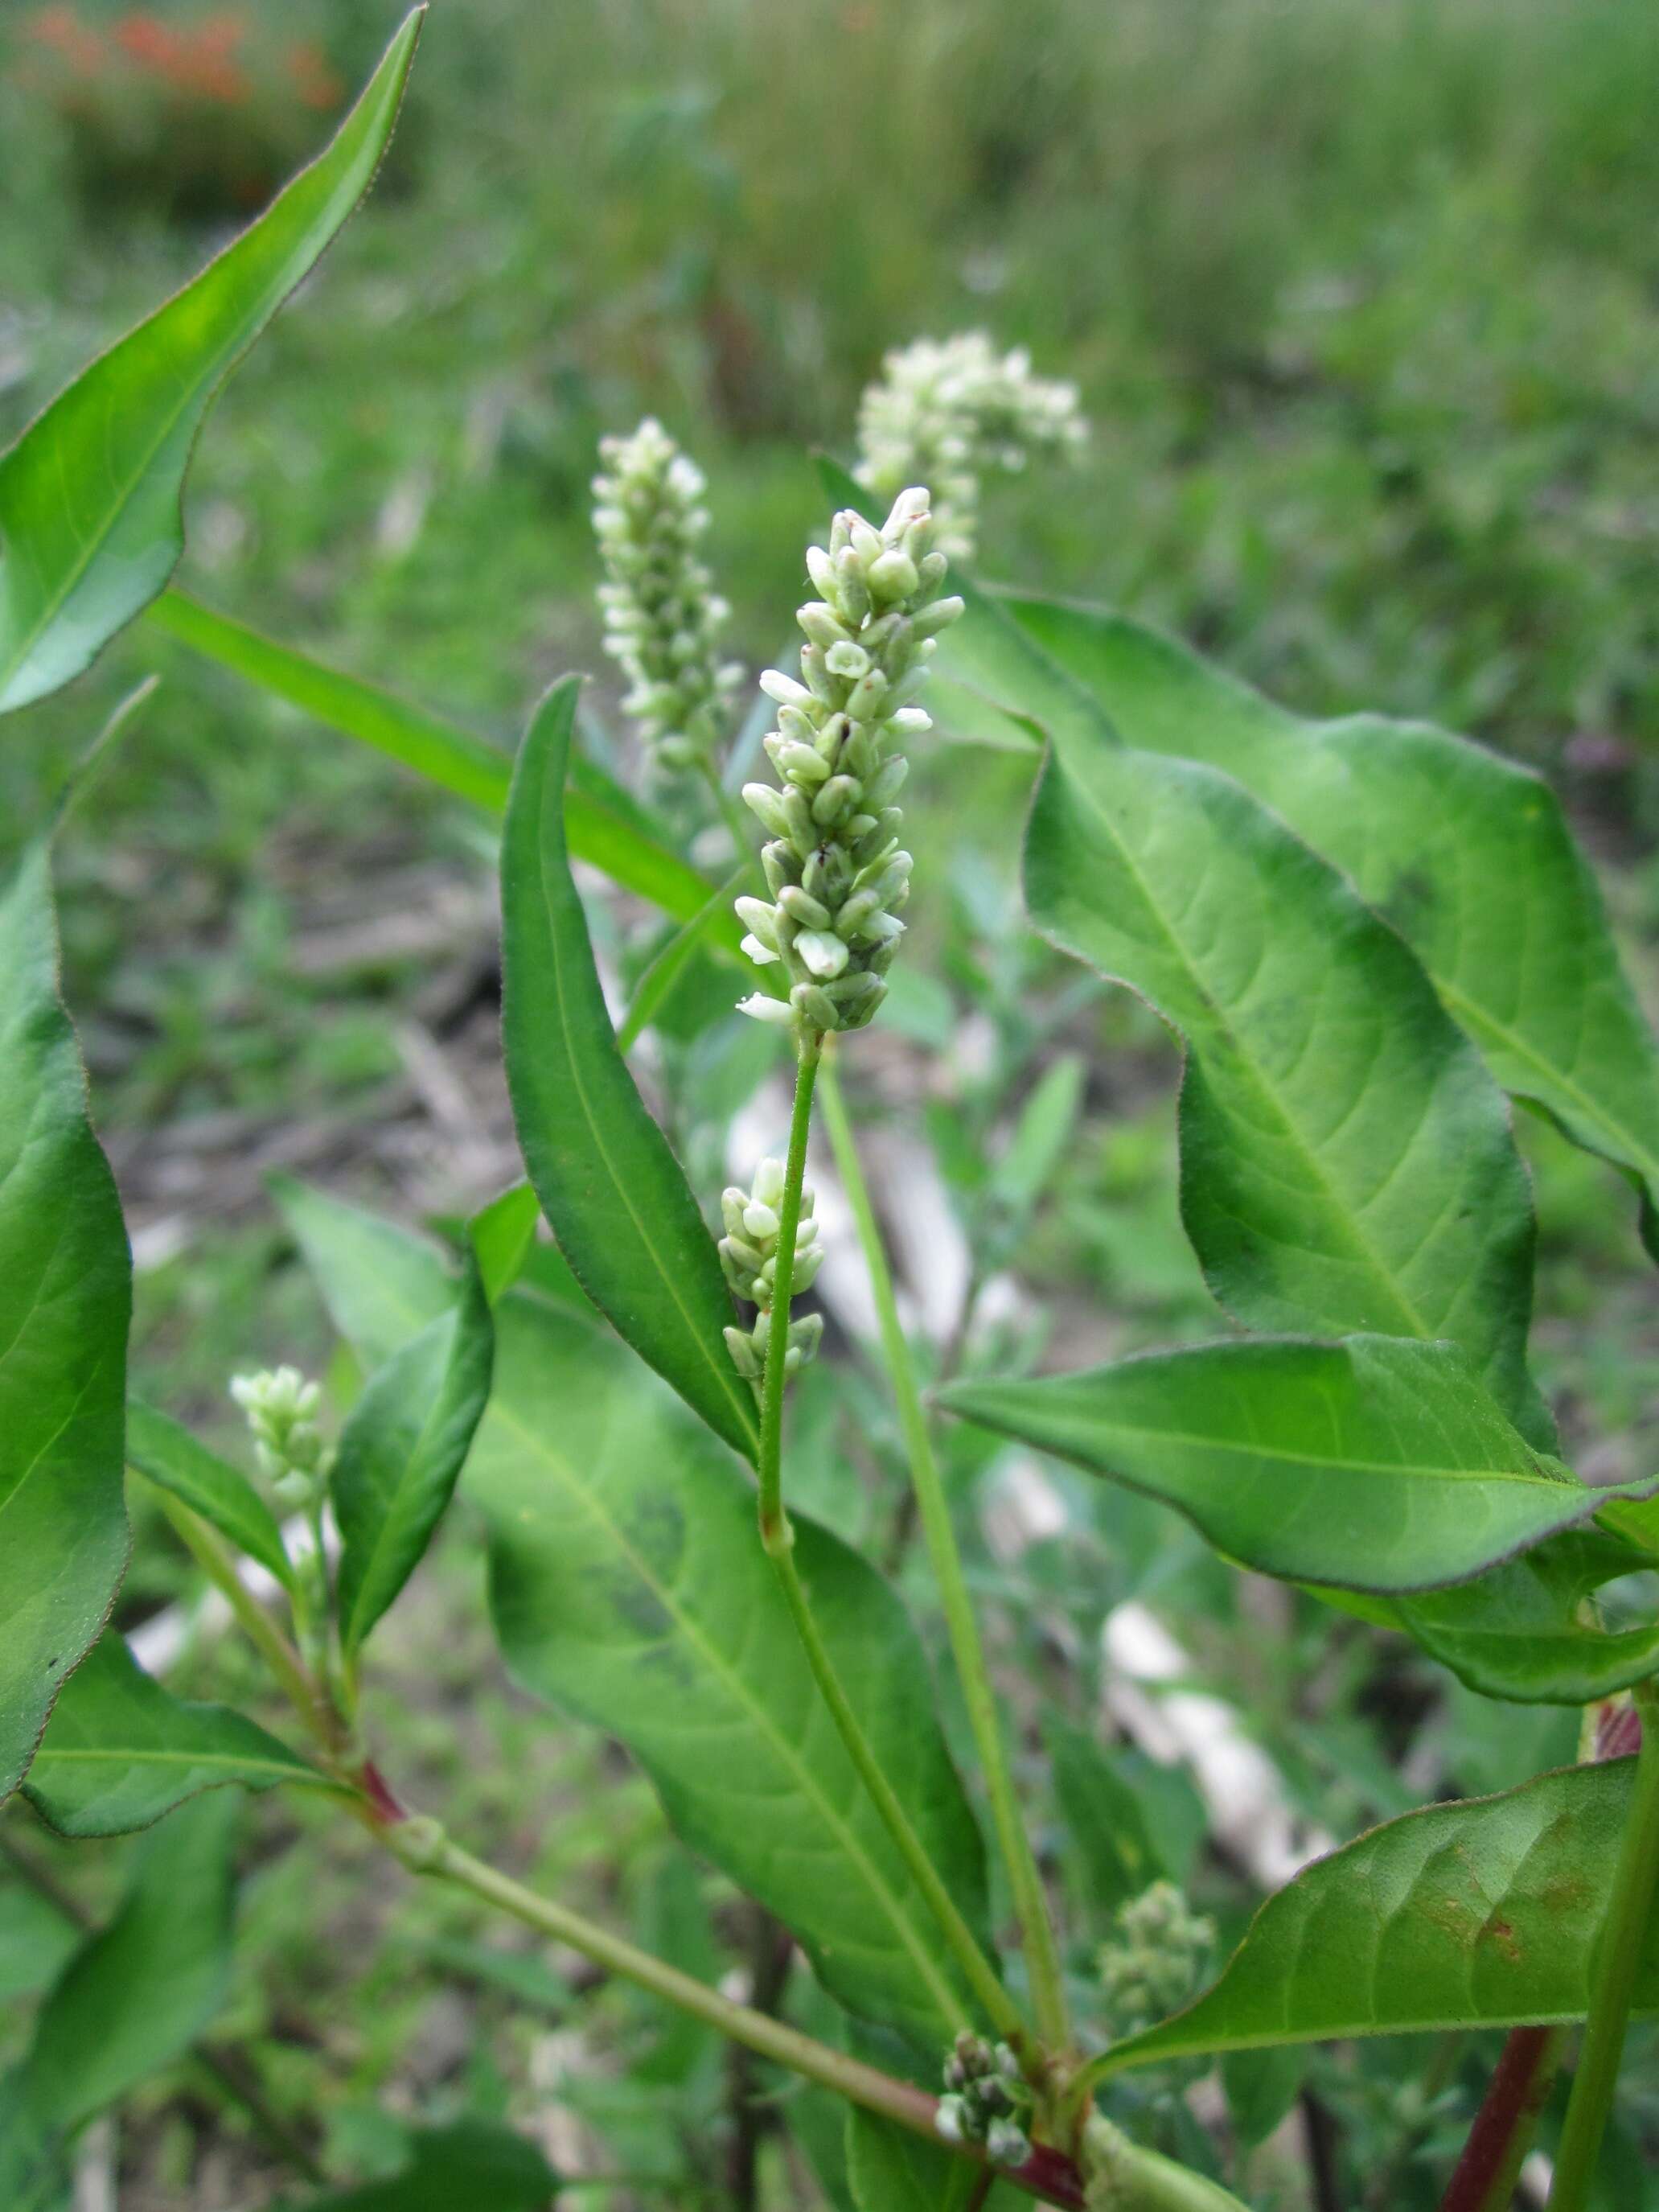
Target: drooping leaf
(1260,2087)
(628,1585)
(1468,855)
(399,1455)
(138,1993)
(1109,1842)
(121,1752)
(65,1294)
(1525,1632)
(1484,1914)
(470,2166)
(611,1189)
(381,1284)
(1346,1161)
(599,820)
(165,1453)
(90,520)
(1377,1463)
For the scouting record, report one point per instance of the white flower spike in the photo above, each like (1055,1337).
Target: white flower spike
(662,614)
(943,412)
(833,861)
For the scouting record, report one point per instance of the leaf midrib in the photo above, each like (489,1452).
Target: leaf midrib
(1372,1259)
(945,1996)
(1645,1162)
(1411,1470)
(92,1755)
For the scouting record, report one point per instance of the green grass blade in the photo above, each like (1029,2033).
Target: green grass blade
(602,824)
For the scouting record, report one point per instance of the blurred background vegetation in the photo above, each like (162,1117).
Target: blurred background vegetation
(1362,298)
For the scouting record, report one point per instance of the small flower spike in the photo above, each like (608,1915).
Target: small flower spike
(749,1253)
(833,863)
(943,413)
(288,1446)
(985,2093)
(662,614)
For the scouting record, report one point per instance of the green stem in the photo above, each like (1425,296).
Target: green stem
(1036,1930)
(759,2032)
(778,1539)
(216,1563)
(774,1521)
(1619,1957)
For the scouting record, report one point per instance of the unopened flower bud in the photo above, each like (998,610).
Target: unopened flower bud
(837,751)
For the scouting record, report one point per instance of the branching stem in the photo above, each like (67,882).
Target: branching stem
(1036,1930)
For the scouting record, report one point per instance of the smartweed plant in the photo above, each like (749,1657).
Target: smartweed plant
(1363,934)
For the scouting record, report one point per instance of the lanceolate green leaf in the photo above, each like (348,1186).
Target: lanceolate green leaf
(138,1993)
(65,1293)
(166,1454)
(599,820)
(1480,1914)
(121,1752)
(1526,1632)
(628,1585)
(381,1284)
(90,496)
(1378,1463)
(611,1189)
(400,1452)
(1468,855)
(1346,1162)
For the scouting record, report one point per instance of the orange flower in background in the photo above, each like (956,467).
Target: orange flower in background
(196,62)
(316,82)
(61,29)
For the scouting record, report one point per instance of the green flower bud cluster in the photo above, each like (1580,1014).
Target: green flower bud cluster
(749,1253)
(280,1405)
(943,413)
(1152,1963)
(833,861)
(662,614)
(986,2097)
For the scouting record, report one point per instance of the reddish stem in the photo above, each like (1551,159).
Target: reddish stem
(383,1801)
(1051,2176)
(1516,2094)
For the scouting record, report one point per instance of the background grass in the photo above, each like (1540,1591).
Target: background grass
(1363,297)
